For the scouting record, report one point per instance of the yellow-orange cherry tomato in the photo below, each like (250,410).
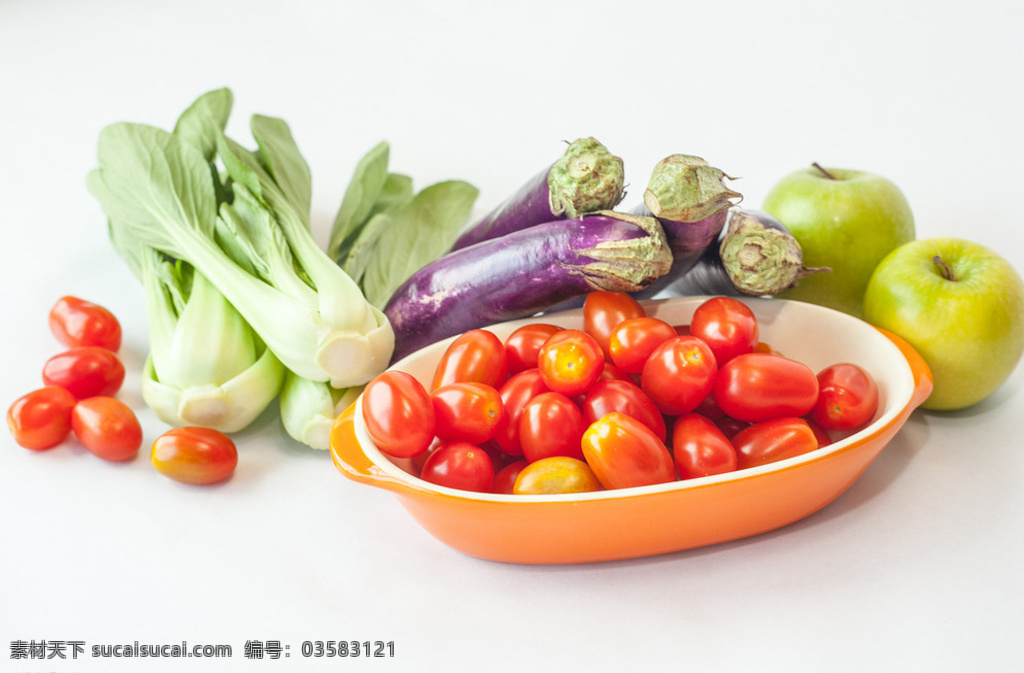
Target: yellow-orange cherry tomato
(558,474)
(624,452)
(194,455)
(570,361)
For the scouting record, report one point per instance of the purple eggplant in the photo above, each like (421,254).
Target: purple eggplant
(525,272)
(585,179)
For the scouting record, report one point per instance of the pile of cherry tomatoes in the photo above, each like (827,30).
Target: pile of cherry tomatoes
(629,400)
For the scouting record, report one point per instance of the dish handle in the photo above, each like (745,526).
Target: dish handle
(923,381)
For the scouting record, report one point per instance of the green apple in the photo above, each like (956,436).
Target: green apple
(845,220)
(961,306)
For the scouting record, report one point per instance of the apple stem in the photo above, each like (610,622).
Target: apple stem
(944,269)
(823,171)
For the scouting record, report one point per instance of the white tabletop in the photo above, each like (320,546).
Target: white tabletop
(916,567)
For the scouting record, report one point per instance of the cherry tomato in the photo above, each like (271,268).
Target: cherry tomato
(398,414)
(709,408)
(773,440)
(76,322)
(612,373)
(85,371)
(459,465)
(194,455)
(731,427)
(727,326)
(515,393)
(633,340)
(700,448)
(679,374)
(558,474)
(523,345)
(107,427)
(477,355)
(757,386)
(624,452)
(551,425)
(41,419)
(603,310)
(570,362)
(820,434)
(626,397)
(467,411)
(505,479)
(847,397)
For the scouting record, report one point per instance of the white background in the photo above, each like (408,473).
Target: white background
(917,567)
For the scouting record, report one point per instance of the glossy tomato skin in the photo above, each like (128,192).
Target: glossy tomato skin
(551,425)
(679,375)
(773,440)
(459,465)
(632,341)
(700,448)
(727,326)
(398,414)
(41,419)
(558,474)
(757,386)
(623,452)
(85,371)
(477,355)
(107,427)
(570,361)
(505,479)
(605,397)
(523,346)
(76,322)
(194,455)
(467,411)
(515,393)
(847,397)
(603,310)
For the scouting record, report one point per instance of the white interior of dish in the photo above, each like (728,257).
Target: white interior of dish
(814,335)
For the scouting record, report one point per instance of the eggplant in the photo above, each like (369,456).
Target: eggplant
(586,178)
(525,272)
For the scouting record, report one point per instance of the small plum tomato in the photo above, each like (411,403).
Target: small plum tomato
(570,362)
(557,474)
(551,425)
(613,373)
(727,326)
(515,393)
(76,322)
(523,345)
(477,355)
(632,341)
(505,479)
(107,427)
(700,448)
(847,397)
(603,310)
(731,427)
(820,434)
(773,440)
(459,465)
(194,455)
(467,411)
(41,419)
(398,414)
(757,386)
(624,452)
(679,374)
(85,371)
(605,397)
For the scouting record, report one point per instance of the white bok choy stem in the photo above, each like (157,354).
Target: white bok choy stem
(309,408)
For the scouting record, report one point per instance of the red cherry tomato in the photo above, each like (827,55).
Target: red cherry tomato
(398,414)
(727,326)
(558,474)
(505,479)
(773,440)
(107,427)
(570,362)
(613,373)
(515,393)
(709,408)
(603,310)
(477,355)
(731,427)
(679,374)
(41,419)
(633,340)
(605,397)
(847,397)
(700,448)
(76,322)
(85,371)
(467,411)
(623,452)
(459,465)
(551,425)
(194,455)
(758,386)
(523,345)
(820,434)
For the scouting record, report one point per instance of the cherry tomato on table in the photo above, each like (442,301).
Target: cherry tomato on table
(398,414)
(41,419)
(467,411)
(551,425)
(757,386)
(477,355)
(679,375)
(85,371)
(459,465)
(773,440)
(700,448)
(626,397)
(557,474)
(633,340)
(523,345)
(107,427)
(194,455)
(847,397)
(727,326)
(624,452)
(76,322)
(603,310)
(570,362)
